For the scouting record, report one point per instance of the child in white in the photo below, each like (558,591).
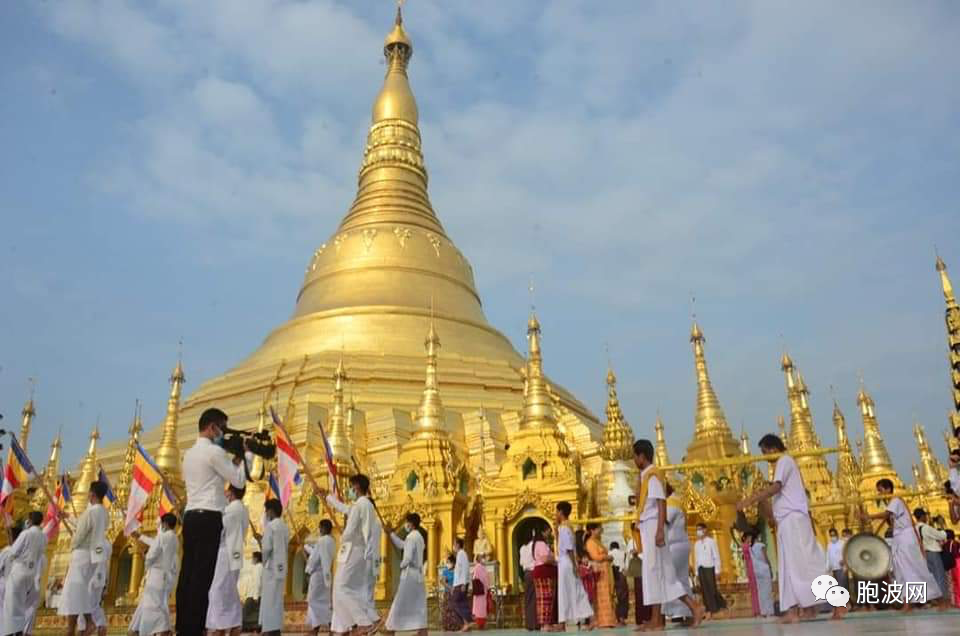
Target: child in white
(320,570)
(276,540)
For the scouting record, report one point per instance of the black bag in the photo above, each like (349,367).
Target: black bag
(477,587)
(949,562)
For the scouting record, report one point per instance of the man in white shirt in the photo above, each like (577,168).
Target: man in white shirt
(206,469)
(620,587)
(932,545)
(461,578)
(660,584)
(707,562)
(21,574)
(835,562)
(86,553)
(529,594)
(800,559)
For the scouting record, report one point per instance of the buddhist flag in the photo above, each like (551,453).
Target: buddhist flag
(144,478)
(16,472)
(288,461)
(111,498)
(273,492)
(51,521)
(331,467)
(168,503)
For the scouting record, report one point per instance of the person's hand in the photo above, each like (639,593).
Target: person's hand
(659,538)
(322,493)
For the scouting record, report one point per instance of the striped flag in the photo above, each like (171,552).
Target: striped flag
(111,498)
(168,503)
(328,453)
(51,521)
(288,461)
(273,492)
(145,477)
(65,495)
(16,472)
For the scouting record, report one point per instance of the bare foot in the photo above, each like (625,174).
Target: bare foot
(697,616)
(790,617)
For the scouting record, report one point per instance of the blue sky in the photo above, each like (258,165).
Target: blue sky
(168,168)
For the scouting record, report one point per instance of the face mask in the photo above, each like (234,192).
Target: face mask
(700,533)
(833,539)
(351,493)
(408,528)
(218,437)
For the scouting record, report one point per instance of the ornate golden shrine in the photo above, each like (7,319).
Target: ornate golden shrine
(471,435)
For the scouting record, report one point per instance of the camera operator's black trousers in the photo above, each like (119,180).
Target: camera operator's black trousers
(201,540)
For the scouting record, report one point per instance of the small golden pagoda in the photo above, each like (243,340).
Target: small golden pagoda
(803,435)
(875,461)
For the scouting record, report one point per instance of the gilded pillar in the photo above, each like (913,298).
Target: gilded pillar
(433,550)
(136,573)
(501,545)
(385,565)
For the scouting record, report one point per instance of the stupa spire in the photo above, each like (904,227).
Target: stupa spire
(126,473)
(712,438)
(953,338)
(537,405)
(803,436)
(847,477)
(28,413)
(168,453)
(617,435)
(430,413)
(782,431)
(341,443)
(932,473)
(88,472)
(874,459)
(661,455)
(52,470)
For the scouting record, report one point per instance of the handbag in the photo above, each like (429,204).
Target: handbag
(949,561)
(478,588)
(635,567)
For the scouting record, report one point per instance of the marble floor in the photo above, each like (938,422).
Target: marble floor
(921,623)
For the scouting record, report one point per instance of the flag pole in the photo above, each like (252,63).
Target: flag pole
(313,482)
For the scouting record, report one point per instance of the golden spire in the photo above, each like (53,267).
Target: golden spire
(28,414)
(430,413)
(52,470)
(168,453)
(847,478)
(661,457)
(874,460)
(953,337)
(782,431)
(88,472)
(932,473)
(712,438)
(803,435)
(617,435)
(744,442)
(537,405)
(126,473)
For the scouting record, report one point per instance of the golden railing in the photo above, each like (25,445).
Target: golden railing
(743,460)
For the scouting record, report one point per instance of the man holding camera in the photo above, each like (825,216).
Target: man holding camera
(207,468)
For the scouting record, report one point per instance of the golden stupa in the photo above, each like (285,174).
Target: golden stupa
(389,349)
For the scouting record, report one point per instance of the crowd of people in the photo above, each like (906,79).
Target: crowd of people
(569,577)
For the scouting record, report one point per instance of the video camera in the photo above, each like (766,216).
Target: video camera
(257,442)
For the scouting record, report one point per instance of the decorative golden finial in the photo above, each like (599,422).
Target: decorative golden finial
(28,413)
(430,413)
(875,460)
(661,455)
(396,100)
(168,453)
(538,405)
(744,441)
